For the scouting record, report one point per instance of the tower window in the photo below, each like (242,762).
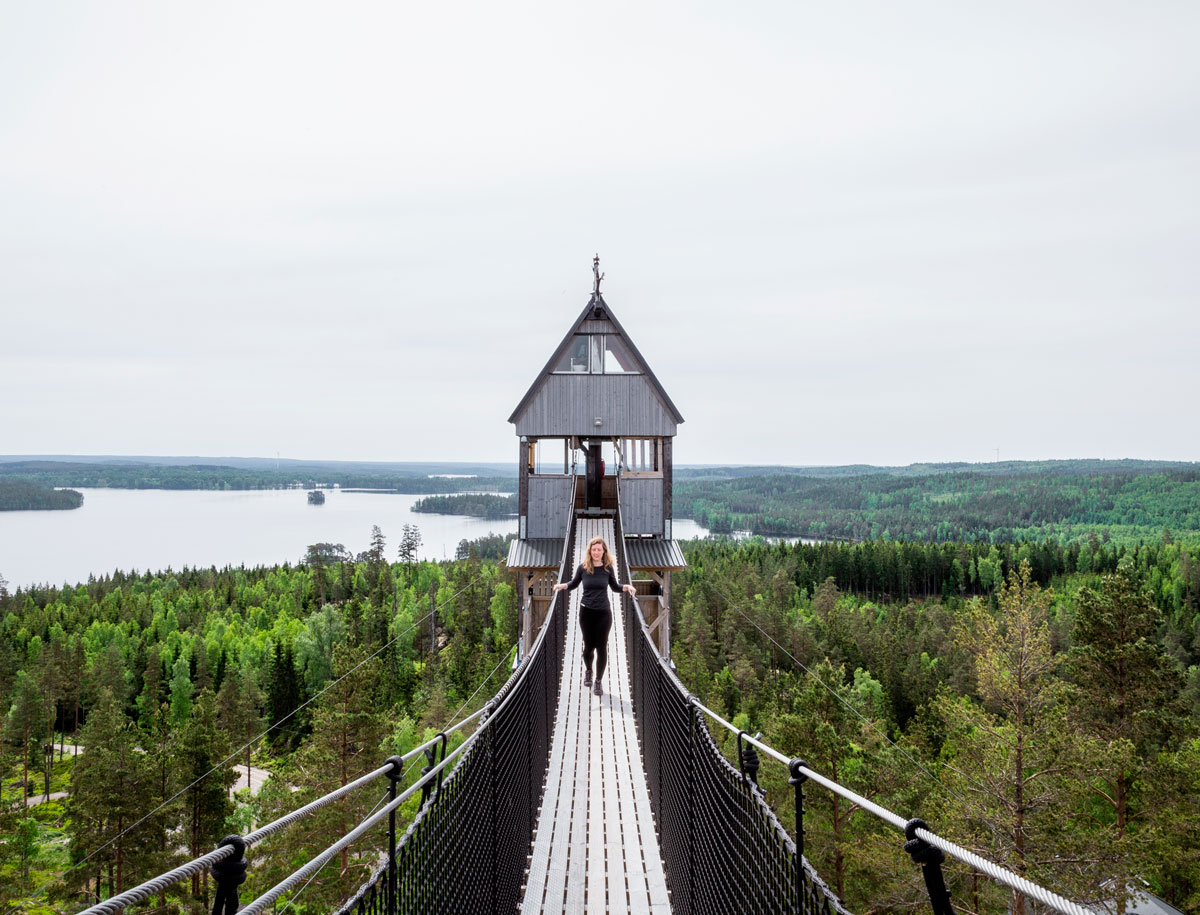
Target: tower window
(596,354)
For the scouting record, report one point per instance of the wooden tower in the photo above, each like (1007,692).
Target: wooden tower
(596,418)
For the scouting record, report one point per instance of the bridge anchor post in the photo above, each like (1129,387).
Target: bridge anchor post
(394,775)
(930,859)
(797,780)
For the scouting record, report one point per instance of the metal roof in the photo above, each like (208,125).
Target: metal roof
(596,301)
(651,553)
(538,553)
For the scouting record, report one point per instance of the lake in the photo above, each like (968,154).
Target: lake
(156,529)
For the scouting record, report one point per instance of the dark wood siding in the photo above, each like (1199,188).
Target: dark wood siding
(628,405)
(523,478)
(641,505)
(549,505)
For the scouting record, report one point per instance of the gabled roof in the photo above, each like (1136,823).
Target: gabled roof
(596,301)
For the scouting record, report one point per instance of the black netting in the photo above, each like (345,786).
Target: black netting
(723,849)
(466,849)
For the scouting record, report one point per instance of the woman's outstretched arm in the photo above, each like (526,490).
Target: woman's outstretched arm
(573,583)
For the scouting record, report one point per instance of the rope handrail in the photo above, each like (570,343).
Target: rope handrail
(143,891)
(909,827)
(466,847)
(723,847)
(288,883)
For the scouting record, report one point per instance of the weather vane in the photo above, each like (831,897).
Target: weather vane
(596,272)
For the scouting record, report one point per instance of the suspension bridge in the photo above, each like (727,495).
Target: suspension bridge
(562,801)
(559,800)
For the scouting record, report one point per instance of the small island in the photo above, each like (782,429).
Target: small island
(475,505)
(26,495)
(316,497)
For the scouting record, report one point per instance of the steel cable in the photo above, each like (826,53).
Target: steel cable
(995,871)
(287,905)
(144,890)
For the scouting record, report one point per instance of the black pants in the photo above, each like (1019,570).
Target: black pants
(595,624)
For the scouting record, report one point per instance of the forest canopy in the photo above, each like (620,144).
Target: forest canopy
(342,661)
(1037,704)
(1066,501)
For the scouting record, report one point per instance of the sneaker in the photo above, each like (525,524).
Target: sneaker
(587,677)
(598,689)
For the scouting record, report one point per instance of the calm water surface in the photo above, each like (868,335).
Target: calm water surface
(156,529)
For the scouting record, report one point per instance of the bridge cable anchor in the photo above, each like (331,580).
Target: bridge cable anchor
(229,873)
(930,858)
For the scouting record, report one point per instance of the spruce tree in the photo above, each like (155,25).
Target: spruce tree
(199,747)
(1129,702)
(239,712)
(346,742)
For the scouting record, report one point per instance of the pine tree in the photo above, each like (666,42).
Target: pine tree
(112,789)
(1015,774)
(26,723)
(837,743)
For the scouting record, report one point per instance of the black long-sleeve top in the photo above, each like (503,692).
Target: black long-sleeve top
(594,584)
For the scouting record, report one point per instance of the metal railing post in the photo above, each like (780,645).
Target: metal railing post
(930,859)
(797,780)
(394,776)
(693,723)
(229,874)
(491,764)
(748,759)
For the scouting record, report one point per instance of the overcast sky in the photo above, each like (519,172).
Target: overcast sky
(839,233)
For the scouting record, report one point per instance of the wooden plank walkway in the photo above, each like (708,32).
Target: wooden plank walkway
(595,849)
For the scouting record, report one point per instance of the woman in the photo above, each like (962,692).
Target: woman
(595,615)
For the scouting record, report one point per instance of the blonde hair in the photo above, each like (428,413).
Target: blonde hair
(587,555)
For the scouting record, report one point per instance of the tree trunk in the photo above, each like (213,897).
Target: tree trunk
(1019,824)
(120,856)
(25,767)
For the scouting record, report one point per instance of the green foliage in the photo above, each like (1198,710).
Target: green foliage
(489,546)
(475,505)
(169,674)
(1002,696)
(1062,500)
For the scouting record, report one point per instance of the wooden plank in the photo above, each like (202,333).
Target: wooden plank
(595,848)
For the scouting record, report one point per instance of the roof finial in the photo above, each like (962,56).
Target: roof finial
(596,272)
